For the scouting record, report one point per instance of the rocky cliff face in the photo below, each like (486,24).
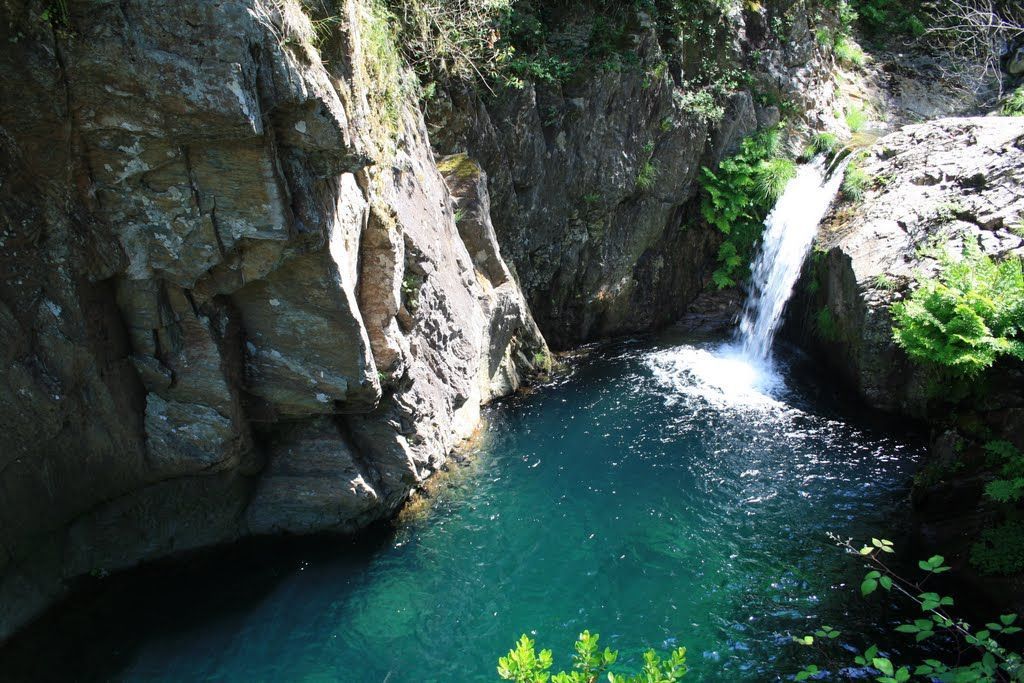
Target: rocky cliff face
(599,249)
(240,294)
(934,186)
(234,298)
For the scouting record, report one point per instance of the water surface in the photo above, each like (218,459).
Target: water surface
(655,495)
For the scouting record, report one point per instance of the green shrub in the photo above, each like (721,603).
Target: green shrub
(1000,549)
(737,199)
(523,664)
(966,318)
(855,181)
(702,105)
(1008,464)
(450,38)
(856,118)
(880,18)
(1014,104)
(849,52)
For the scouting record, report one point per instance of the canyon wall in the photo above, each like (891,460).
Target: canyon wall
(234,298)
(593,178)
(935,187)
(247,289)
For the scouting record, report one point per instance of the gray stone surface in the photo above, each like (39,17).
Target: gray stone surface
(938,185)
(232,301)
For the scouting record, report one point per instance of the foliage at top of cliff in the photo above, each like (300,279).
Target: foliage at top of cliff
(510,42)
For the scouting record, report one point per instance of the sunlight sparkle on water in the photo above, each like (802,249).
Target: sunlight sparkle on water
(721,375)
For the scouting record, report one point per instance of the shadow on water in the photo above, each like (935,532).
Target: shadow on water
(95,633)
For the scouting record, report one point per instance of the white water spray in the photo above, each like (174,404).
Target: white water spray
(741,373)
(789,232)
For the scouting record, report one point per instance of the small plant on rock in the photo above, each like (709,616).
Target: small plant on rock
(855,182)
(1014,104)
(823,143)
(849,52)
(856,118)
(884,282)
(647,175)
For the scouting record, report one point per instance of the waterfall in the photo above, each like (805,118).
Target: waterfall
(741,374)
(789,231)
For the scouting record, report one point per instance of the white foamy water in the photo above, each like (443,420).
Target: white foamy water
(789,233)
(742,373)
(722,376)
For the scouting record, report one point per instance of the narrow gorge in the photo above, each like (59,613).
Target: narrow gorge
(352,339)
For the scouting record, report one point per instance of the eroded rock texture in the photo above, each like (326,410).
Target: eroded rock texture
(232,302)
(592,179)
(935,186)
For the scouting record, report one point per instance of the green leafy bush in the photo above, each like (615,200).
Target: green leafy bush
(523,664)
(855,181)
(441,38)
(1000,549)
(1008,463)
(884,17)
(971,654)
(738,197)
(1014,104)
(966,318)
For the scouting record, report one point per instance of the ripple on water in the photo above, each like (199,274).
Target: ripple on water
(658,495)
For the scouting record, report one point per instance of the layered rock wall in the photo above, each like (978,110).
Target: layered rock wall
(594,178)
(233,301)
(933,187)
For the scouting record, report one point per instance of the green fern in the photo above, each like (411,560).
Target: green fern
(737,199)
(967,318)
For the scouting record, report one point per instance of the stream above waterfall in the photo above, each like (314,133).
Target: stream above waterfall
(641,496)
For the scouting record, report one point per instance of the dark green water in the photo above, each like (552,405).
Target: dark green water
(627,498)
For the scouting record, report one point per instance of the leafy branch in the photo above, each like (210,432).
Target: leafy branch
(976,655)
